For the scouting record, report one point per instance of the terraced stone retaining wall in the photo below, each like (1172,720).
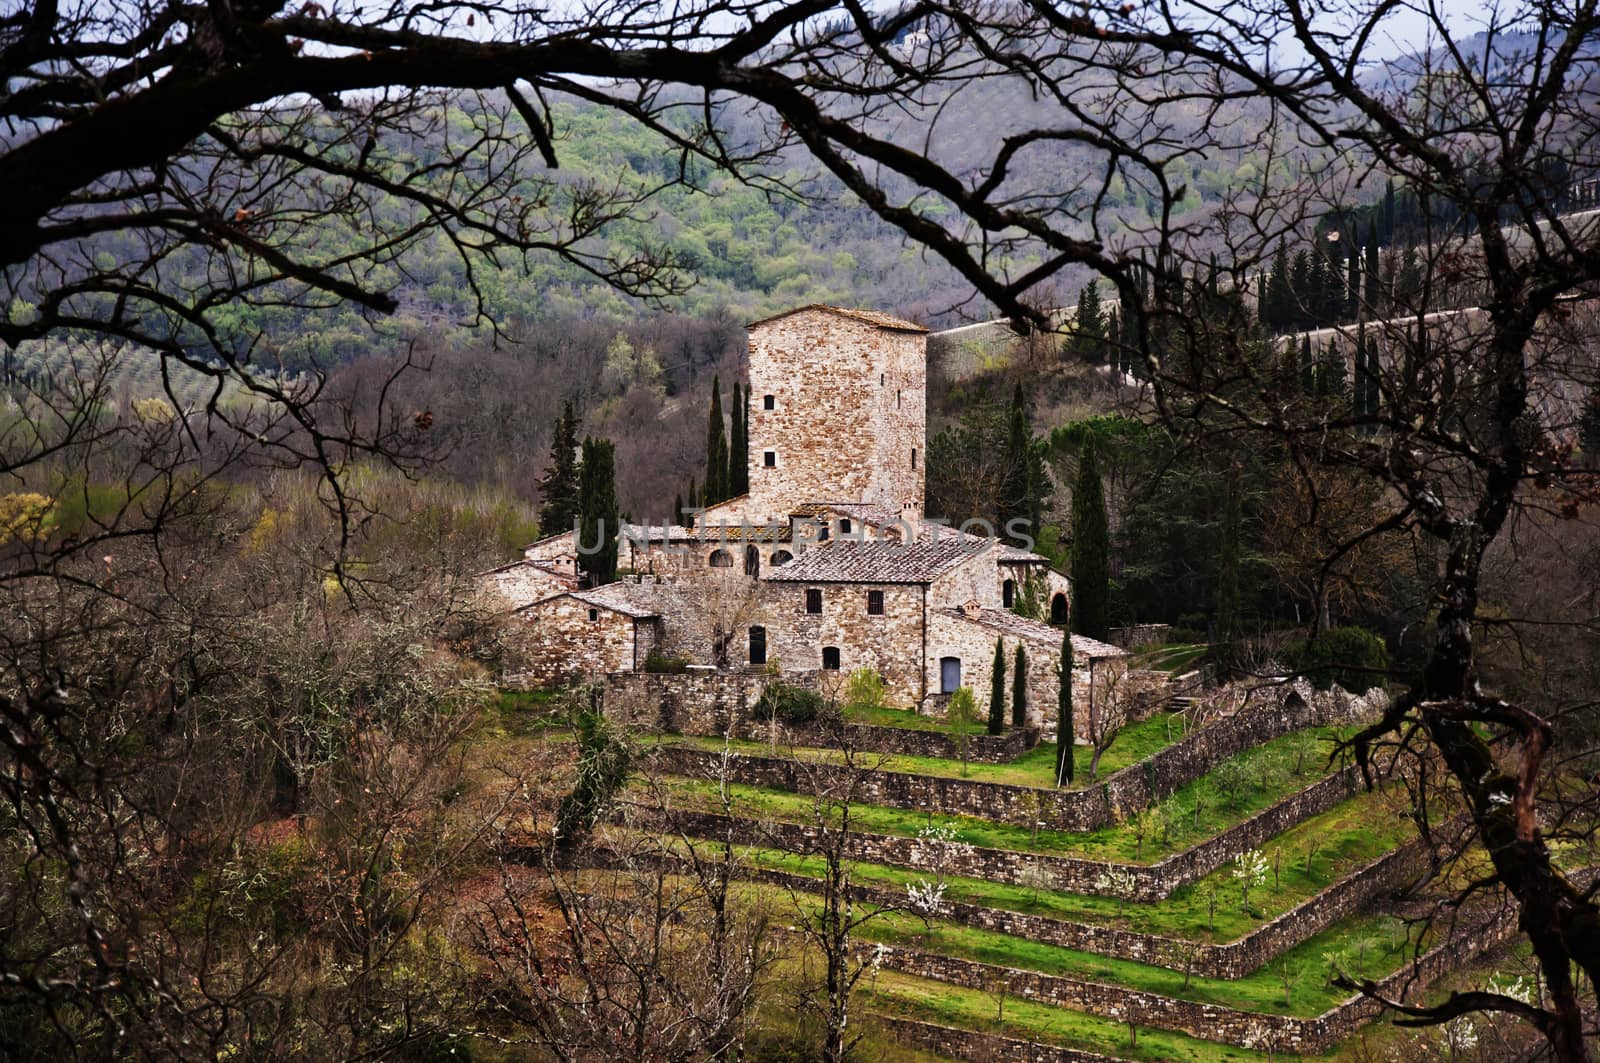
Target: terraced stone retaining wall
(969,1044)
(898,741)
(1211,1022)
(1229,960)
(1136,882)
(700,702)
(1121,794)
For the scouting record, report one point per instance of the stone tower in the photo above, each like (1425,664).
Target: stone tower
(838,410)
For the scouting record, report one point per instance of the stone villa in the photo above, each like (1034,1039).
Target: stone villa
(828,564)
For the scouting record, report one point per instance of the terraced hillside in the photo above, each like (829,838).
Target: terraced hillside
(1195,902)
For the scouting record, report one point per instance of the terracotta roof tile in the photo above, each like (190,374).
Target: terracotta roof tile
(847,561)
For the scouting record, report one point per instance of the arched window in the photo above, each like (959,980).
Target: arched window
(752,561)
(758,645)
(720,559)
(1058,609)
(1008,593)
(781,557)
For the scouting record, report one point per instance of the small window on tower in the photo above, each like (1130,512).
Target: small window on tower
(882,378)
(813,599)
(769,458)
(913,457)
(874,603)
(768,402)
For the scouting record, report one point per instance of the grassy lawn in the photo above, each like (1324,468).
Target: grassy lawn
(1344,838)
(1202,809)
(1174,657)
(906,719)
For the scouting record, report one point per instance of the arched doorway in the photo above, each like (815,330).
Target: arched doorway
(758,645)
(1008,593)
(949,674)
(1058,609)
(752,562)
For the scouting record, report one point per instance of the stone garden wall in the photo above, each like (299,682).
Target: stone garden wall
(1211,1022)
(896,741)
(1120,794)
(969,1044)
(699,702)
(1138,882)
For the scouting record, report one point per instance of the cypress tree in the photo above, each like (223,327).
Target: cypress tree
(1372,271)
(677,511)
(559,486)
(1302,289)
(694,499)
(1089,326)
(1388,212)
(1308,368)
(1227,626)
(598,522)
(1277,301)
(1352,293)
(1016,481)
(1019,688)
(716,485)
(1091,571)
(739,451)
(997,689)
(1589,427)
(1065,731)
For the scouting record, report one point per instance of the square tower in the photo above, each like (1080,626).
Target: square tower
(838,410)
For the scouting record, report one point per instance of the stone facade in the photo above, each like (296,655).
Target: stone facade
(848,413)
(565,639)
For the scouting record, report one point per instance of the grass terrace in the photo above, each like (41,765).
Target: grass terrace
(1314,855)
(1136,742)
(1257,779)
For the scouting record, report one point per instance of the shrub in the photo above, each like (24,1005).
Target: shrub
(603,763)
(656,661)
(864,690)
(789,703)
(1353,657)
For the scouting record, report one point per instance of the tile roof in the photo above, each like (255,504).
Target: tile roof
(849,561)
(1013,555)
(631,599)
(1008,623)
(871,317)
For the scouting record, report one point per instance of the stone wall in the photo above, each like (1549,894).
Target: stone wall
(1135,882)
(1229,960)
(563,639)
(1119,795)
(1210,1022)
(897,741)
(972,644)
(969,1044)
(1136,635)
(692,702)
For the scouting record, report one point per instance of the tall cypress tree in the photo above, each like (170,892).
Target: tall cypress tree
(1308,368)
(1277,300)
(997,689)
(739,451)
(1019,687)
(716,483)
(1372,271)
(694,498)
(559,486)
(1089,326)
(1017,486)
(1227,626)
(598,521)
(1091,563)
(1352,293)
(1065,731)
